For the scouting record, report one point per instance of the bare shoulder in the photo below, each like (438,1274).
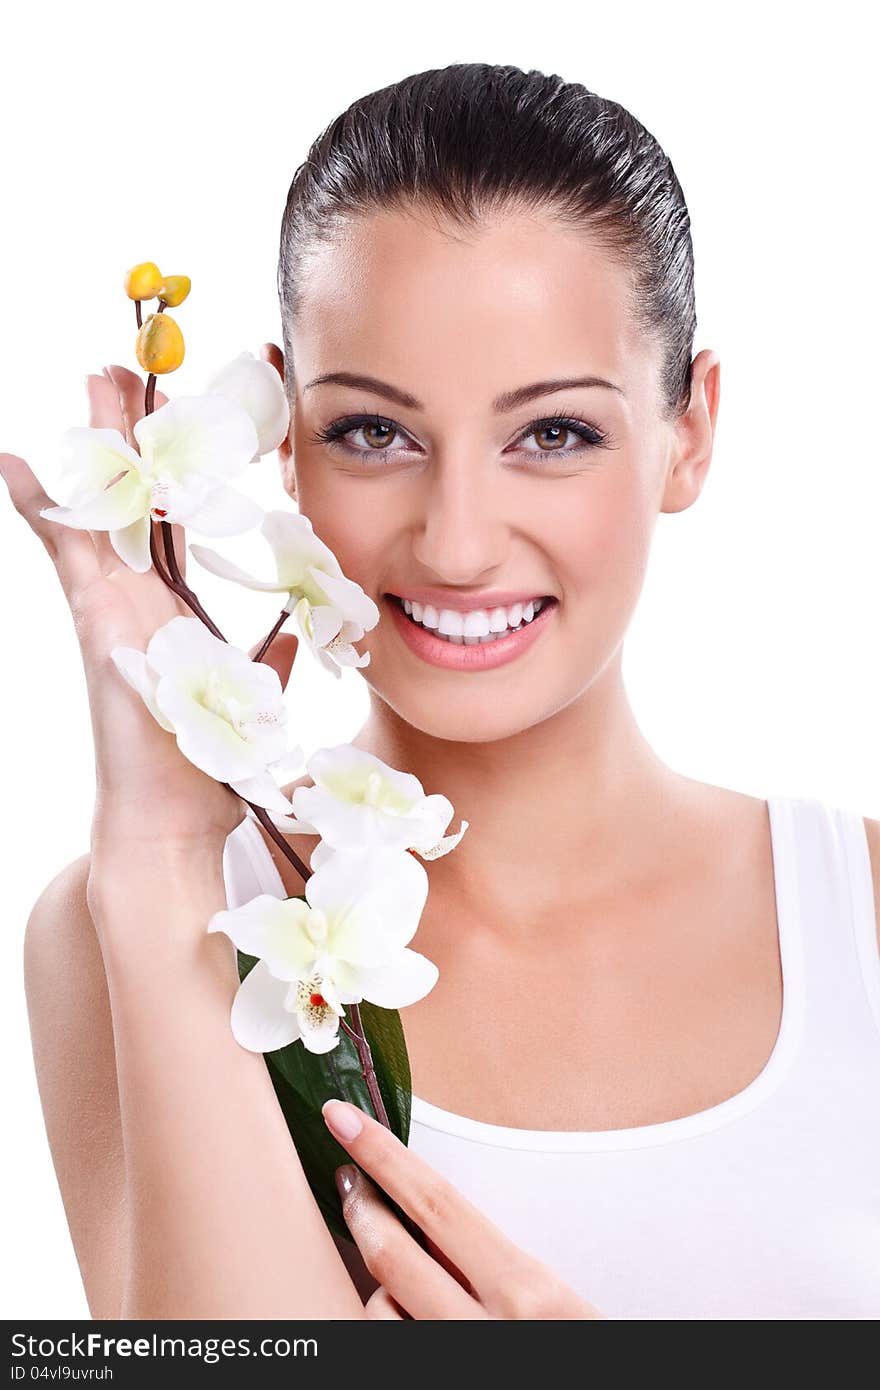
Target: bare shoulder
(74,1059)
(872,831)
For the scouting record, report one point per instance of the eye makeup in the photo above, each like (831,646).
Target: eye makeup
(334,435)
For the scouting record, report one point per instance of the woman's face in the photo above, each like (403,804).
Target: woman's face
(456,489)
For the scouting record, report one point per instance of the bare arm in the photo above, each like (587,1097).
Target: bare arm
(221,1221)
(72,1041)
(75,1064)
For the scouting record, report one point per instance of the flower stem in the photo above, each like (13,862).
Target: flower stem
(270,636)
(179,586)
(368,1071)
(302,869)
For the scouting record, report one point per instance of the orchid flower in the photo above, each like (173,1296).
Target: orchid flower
(332,612)
(226,711)
(358,800)
(345,941)
(257,387)
(187,449)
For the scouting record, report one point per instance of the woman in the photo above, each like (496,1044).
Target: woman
(486,286)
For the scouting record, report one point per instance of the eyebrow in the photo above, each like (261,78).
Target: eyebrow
(508,400)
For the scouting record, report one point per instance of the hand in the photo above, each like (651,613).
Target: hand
(148,793)
(470,1269)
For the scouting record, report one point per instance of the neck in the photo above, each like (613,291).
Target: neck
(571,802)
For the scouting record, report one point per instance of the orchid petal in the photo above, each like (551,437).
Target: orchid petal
(372,899)
(322,1039)
(133,665)
(443,846)
(225,512)
(324,624)
(132,545)
(348,596)
(273,929)
(98,454)
(210,436)
(296,546)
(345,655)
(292,825)
(105,509)
(262,790)
(258,388)
(408,977)
(320,854)
(205,737)
(259,1019)
(218,564)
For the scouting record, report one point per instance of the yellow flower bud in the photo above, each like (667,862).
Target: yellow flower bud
(143,281)
(174,289)
(159,345)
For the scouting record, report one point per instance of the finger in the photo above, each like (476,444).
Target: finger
(380,1305)
(71,550)
(479,1250)
(412,1277)
(132,390)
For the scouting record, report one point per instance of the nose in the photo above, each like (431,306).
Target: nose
(461,533)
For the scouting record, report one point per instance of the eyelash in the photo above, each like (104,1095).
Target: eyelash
(333,434)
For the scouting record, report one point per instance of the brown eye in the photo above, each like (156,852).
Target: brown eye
(560,434)
(553,433)
(385,432)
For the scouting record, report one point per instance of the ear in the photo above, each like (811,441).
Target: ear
(694,433)
(271,352)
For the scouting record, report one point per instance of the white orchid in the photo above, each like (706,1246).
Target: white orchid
(345,942)
(187,449)
(331,611)
(226,710)
(259,389)
(358,800)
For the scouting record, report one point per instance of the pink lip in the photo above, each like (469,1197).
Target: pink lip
(456,656)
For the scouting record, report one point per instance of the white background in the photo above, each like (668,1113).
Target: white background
(170,132)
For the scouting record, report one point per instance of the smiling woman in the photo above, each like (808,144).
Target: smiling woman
(486,291)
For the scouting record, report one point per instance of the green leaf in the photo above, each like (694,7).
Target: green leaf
(304,1080)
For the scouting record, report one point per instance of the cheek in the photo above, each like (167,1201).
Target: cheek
(609,536)
(354,528)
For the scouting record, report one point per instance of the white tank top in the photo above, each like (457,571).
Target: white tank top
(765,1206)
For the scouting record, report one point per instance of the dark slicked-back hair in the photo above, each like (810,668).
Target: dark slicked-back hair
(473,139)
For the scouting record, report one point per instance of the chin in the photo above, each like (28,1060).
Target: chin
(480,718)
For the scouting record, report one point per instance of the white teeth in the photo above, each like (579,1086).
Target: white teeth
(479,625)
(498,620)
(476,624)
(451,622)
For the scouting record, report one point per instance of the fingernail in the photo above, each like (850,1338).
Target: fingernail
(344,1120)
(346,1177)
